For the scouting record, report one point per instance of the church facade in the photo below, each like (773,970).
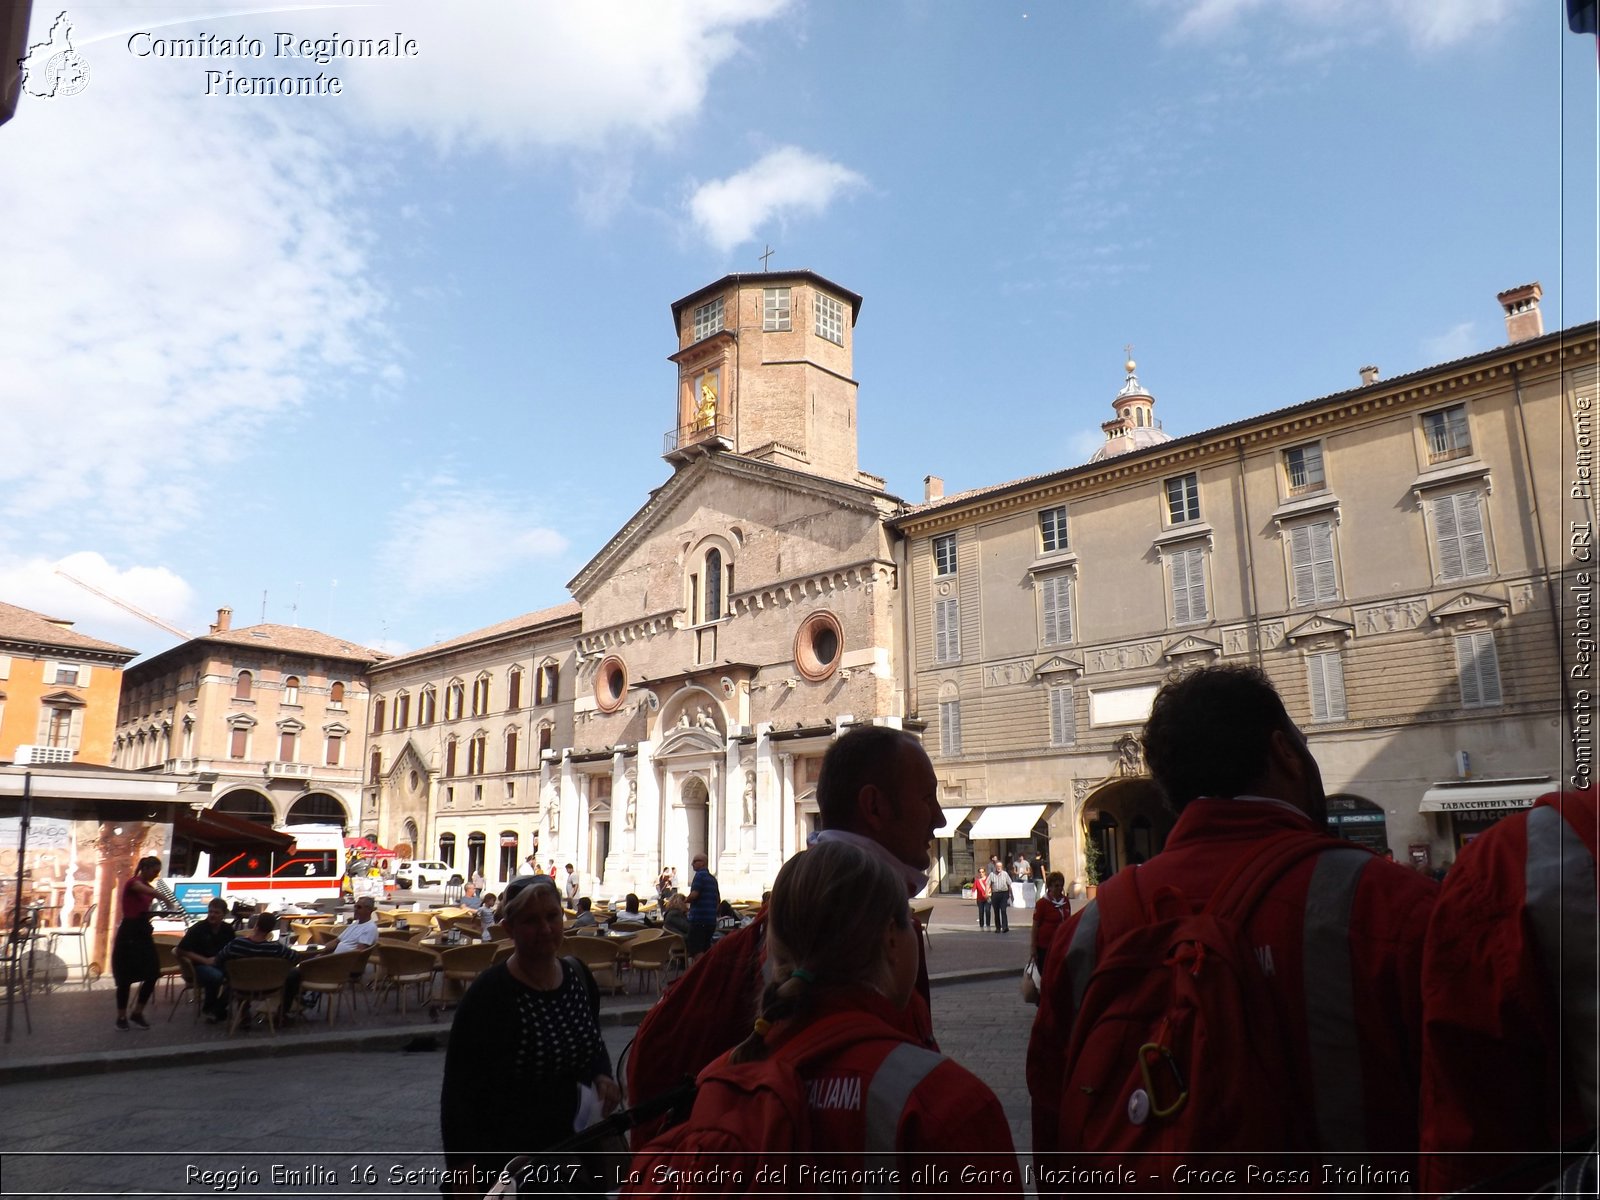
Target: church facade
(1392,556)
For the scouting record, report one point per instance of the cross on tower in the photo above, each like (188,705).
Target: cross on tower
(764,258)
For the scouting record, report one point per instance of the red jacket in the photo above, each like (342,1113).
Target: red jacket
(1047,922)
(949,1119)
(713,1008)
(1372,1046)
(1497,1074)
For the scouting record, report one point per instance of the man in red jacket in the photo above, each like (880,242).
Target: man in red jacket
(878,790)
(1509,1002)
(1337,938)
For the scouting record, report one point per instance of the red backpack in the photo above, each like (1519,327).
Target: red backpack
(752,1119)
(1176,1044)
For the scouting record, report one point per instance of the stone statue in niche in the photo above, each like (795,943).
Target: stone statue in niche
(749,797)
(1128,756)
(632,810)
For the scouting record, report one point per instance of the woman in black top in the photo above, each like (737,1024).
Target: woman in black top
(525,1035)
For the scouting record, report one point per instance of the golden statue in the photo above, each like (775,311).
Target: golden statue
(706,415)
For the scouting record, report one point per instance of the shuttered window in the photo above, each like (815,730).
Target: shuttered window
(1325,674)
(1056,596)
(947,630)
(1063,718)
(950,727)
(1188,569)
(1478,667)
(1459,536)
(1311,559)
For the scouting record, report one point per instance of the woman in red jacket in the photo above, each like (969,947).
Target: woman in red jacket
(842,958)
(1049,915)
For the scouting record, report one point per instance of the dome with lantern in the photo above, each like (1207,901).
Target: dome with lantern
(1135,426)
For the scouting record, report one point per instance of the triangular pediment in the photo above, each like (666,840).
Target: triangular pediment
(409,759)
(1059,664)
(678,495)
(1317,626)
(1191,643)
(1470,604)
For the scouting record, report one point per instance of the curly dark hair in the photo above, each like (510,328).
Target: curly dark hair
(1210,732)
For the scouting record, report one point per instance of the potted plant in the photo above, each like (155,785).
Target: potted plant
(1091,868)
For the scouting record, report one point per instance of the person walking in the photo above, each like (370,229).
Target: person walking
(1049,915)
(980,893)
(1000,895)
(133,953)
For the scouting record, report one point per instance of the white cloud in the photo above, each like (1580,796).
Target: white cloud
(786,181)
(182,274)
(450,539)
(548,73)
(1429,25)
(1456,342)
(33,583)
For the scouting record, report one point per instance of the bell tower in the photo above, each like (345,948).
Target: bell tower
(764,370)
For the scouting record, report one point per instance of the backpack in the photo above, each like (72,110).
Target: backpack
(707,1012)
(751,1120)
(1176,1044)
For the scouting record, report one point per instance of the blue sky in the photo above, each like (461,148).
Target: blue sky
(396,358)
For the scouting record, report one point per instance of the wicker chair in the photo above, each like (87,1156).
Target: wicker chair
(460,965)
(404,965)
(335,976)
(600,956)
(651,957)
(256,984)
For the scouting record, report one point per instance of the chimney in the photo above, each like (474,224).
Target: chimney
(932,488)
(1523,319)
(223,621)
(1369,375)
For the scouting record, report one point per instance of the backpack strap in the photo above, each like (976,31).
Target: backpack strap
(1239,893)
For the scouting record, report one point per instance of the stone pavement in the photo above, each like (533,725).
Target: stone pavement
(356,1103)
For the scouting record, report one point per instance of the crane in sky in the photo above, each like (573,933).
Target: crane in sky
(126,607)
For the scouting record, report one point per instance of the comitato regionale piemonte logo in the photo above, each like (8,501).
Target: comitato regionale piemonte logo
(53,68)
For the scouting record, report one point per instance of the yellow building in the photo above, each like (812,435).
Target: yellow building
(58,688)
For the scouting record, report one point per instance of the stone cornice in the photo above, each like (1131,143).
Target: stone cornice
(1420,389)
(782,593)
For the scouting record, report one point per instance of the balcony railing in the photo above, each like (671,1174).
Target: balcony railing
(698,431)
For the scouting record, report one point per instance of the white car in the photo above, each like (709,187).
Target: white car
(421,874)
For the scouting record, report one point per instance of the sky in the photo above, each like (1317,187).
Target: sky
(392,363)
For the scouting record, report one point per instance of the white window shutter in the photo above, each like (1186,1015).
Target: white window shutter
(84,670)
(1316,675)
(1469,520)
(45,713)
(1333,674)
(5,666)
(1305,590)
(1483,651)
(1324,584)
(1446,537)
(1467,670)
(1062,724)
(75,729)
(1180,587)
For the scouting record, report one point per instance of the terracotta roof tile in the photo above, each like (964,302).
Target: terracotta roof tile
(25,625)
(295,640)
(527,621)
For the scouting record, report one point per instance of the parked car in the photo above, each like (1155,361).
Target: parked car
(420,874)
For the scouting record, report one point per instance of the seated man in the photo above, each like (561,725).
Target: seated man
(585,918)
(630,918)
(259,943)
(199,948)
(360,933)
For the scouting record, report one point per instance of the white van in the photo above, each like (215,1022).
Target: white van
(419,874)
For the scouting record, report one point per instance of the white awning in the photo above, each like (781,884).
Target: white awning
(952,818)
(1001,821)
(1491,794)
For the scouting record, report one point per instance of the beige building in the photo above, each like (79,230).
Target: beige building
(266,723)
(1390,556)
(462,736)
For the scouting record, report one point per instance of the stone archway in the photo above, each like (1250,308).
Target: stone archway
(318,808)
(249,804)
(1128,821)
